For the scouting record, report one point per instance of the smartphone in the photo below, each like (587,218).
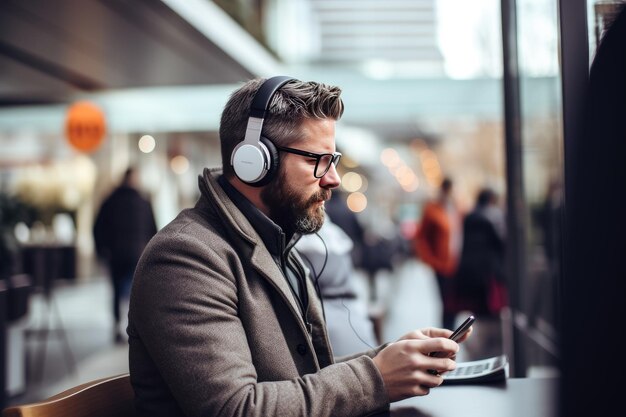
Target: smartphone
(463,328)
(458,333)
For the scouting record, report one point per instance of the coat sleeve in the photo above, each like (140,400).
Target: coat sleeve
(370,353)
(186,315)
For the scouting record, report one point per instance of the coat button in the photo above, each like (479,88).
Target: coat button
(301,349)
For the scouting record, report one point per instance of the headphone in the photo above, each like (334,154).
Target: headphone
(255,159)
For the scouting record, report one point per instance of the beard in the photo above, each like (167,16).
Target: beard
(291,210)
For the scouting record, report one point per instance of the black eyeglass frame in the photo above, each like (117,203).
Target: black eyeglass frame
(335,157)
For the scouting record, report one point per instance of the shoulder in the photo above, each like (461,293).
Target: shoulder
(187,254)
(434,212)
(191,230)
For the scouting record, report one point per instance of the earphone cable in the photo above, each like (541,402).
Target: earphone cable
(352,327)
(316,276)
(319,292)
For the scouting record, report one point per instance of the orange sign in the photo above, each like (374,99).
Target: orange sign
(85,126)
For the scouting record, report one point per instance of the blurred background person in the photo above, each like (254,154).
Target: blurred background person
(347,220)
(550,219)
(551,216)
(123,226)
(438,242)
(480,282)
(329,254)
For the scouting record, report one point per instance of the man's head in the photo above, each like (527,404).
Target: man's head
(300,123)
(293,103)
(446,185)
(486,196)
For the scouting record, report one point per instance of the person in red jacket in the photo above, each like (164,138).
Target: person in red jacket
(437,244)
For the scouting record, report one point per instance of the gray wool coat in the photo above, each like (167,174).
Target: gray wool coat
(214,328)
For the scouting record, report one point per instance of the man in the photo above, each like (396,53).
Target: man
(438,244)
(224,319)
(123,226)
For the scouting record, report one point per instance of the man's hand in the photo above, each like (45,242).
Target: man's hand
(404,365)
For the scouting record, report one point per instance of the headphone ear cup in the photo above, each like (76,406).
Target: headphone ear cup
(249,162)
(272,164)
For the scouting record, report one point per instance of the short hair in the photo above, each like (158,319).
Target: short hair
(446,184)
(291,104)
(485,197)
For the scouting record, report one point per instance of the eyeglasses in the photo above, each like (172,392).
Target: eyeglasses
(322,160)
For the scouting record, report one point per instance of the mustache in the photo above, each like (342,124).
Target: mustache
(320,195)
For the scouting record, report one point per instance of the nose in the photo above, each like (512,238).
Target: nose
(331,179)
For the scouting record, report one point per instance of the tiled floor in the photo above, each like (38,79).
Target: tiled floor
(409,292)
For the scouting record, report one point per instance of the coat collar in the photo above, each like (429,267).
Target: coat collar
(272,235)
(214,196)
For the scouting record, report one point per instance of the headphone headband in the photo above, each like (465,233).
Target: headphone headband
(262,98)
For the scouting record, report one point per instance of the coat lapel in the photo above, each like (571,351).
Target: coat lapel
(261,259)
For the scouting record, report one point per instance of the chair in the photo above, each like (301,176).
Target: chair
(106,397)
